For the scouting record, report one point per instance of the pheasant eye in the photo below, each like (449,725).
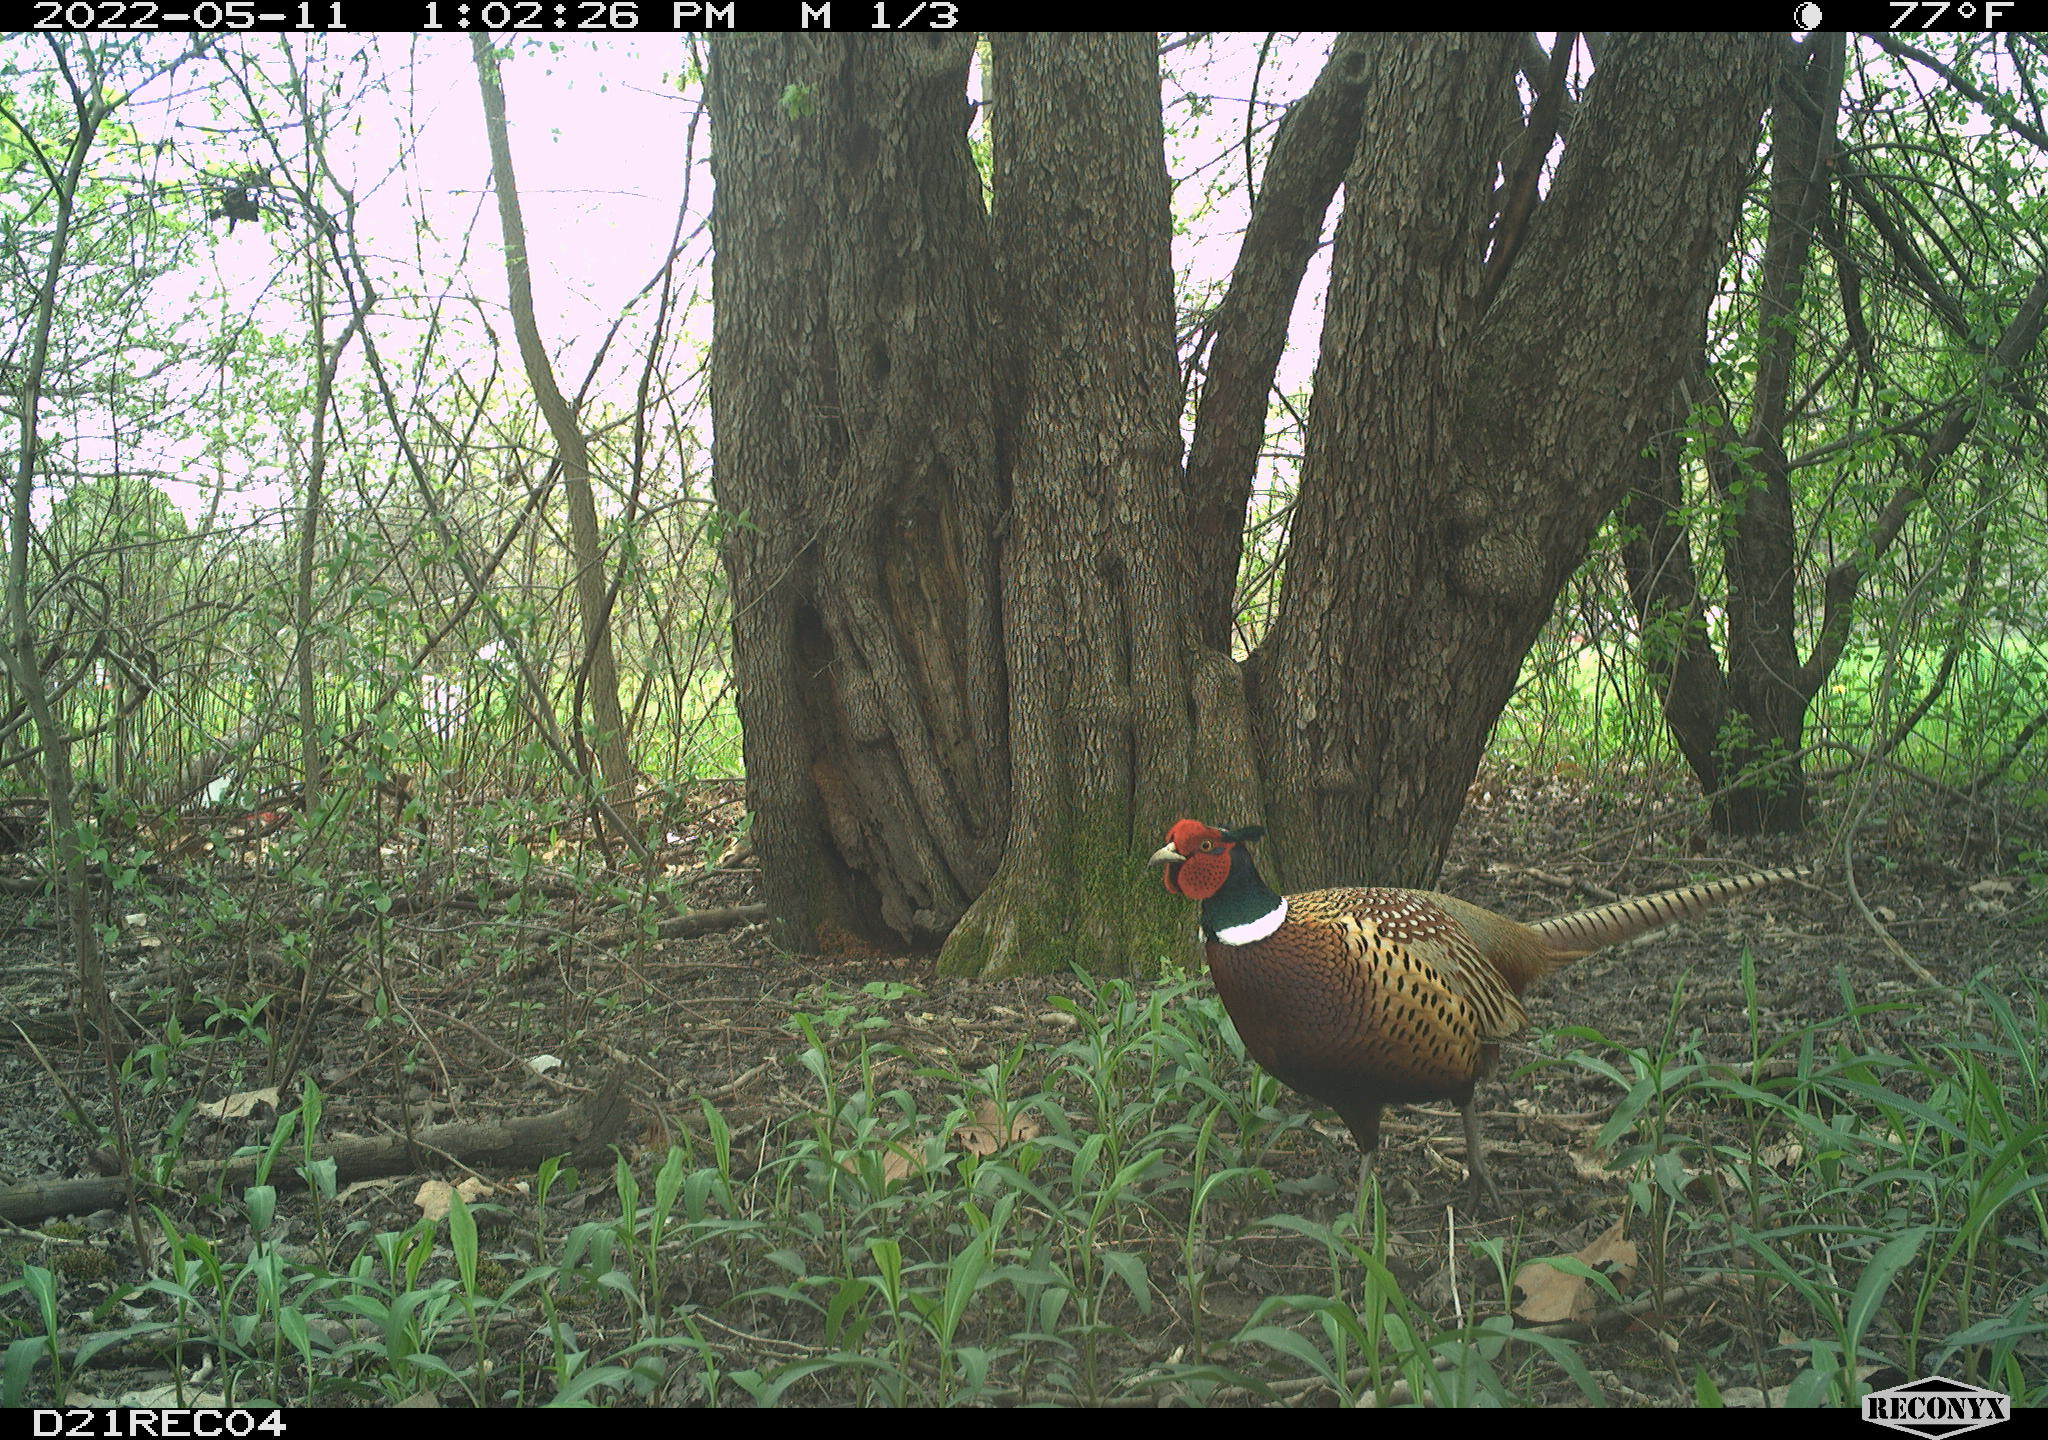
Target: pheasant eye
(1207,846)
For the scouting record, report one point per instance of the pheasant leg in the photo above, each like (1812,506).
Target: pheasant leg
(1475,1157)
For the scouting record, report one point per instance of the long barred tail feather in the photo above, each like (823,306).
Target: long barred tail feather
(1588,930)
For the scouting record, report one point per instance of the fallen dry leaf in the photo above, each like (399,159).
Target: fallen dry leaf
(1553,1295)
(1597,1165)
(234,1107)
(432,1197)
(988,1134)
(899,1160)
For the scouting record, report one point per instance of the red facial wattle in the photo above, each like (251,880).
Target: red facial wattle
(1201,874)
(1205,860)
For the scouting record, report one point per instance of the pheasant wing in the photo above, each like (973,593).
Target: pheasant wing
(1431,929)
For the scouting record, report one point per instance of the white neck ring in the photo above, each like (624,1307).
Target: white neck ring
(1254,930)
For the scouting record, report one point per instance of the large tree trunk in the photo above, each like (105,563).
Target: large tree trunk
(1473,419)
(855,383)
(1096,603)
(962,632)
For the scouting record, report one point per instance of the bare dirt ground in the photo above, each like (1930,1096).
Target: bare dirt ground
(710,1016)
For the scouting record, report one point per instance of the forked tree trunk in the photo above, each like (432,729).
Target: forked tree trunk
(1484,390)
(948,450)
(966,619)
(1759,736)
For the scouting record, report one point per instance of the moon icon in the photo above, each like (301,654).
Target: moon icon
(1807,16)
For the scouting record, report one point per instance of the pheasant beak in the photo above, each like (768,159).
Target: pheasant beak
(1165,855)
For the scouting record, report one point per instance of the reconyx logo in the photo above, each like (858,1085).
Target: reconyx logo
(1935,1407)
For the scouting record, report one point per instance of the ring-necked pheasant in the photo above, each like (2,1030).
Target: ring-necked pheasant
(1359,998)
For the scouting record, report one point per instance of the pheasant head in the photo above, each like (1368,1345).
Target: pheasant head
(1215,867)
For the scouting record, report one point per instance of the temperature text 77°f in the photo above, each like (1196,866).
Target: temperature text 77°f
(1929,14)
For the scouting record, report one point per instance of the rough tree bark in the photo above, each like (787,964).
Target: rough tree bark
(948,443)
(855,382)
(1096,617)
(1472,422)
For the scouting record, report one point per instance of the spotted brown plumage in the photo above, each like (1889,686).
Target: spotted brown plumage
(1360,998)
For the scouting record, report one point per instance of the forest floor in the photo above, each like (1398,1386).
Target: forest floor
(773,1286)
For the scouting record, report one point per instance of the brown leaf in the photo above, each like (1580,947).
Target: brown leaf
(988,1134)
(1550,1295)
(1597,1165)
(900,1159)
(432,1199)
(235,1107)
(1553,1295)
(1612,1253)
